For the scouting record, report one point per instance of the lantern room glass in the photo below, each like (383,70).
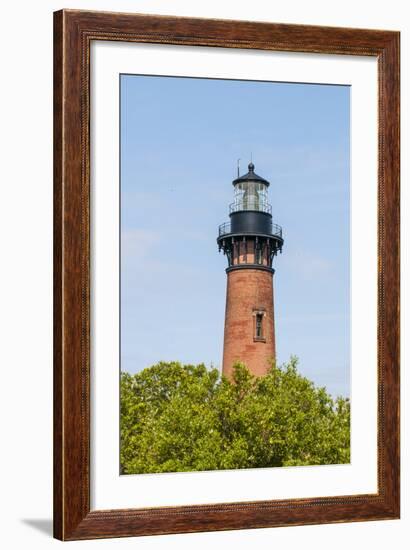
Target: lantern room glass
(250,195)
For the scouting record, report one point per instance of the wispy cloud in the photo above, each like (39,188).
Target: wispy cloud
(308,266)
(137,243)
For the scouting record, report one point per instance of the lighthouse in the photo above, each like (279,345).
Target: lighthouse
(250,241)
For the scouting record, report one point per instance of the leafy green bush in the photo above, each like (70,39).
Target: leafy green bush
(178,418)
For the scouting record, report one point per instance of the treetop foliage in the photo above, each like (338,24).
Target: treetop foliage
(177,418)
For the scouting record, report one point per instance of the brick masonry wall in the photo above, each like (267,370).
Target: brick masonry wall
(248,290)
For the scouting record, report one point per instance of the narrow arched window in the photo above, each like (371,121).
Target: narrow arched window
(259,325)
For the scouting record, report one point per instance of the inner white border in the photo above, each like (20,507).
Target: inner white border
(108,488)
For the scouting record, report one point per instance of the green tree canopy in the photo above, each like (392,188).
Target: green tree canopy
(177,418)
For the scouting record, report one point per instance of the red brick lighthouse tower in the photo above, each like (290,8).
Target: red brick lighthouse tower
(250,241)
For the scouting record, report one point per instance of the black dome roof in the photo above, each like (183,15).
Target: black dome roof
(251,176)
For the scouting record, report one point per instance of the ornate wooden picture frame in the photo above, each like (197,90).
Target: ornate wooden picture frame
(74,31)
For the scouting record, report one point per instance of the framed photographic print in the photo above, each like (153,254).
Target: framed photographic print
(226,275)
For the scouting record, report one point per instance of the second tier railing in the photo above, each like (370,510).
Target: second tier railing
(250,203)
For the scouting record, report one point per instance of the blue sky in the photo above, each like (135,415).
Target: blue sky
(180,140)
